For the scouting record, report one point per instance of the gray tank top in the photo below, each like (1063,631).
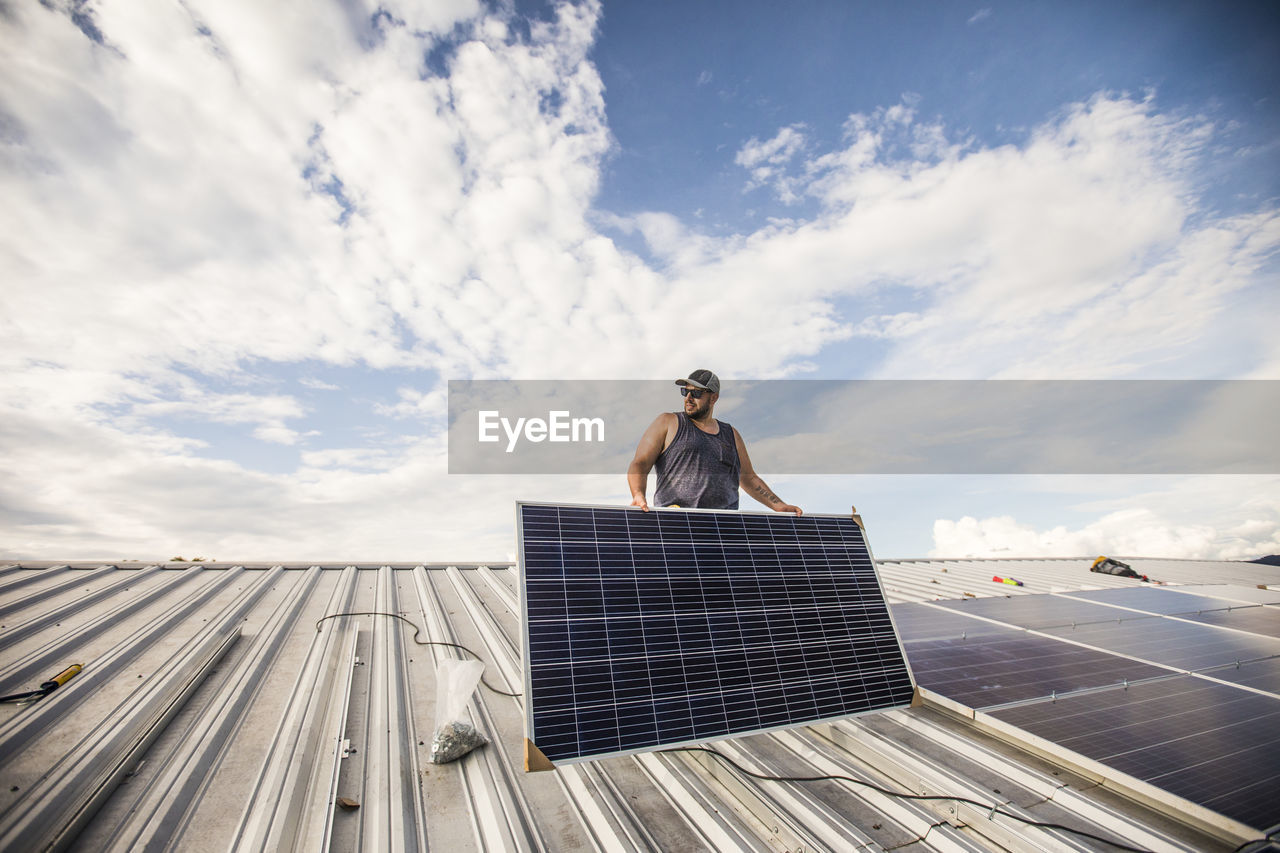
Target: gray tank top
(698,470)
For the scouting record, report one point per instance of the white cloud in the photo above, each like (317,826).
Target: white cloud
(1219,518)
(781,148)
(980,15)
(277,434)
(766,160)
(266,413)
(1135,532)
(225,408)
(424,405)
(1084,253)
(87,491)
(898,325)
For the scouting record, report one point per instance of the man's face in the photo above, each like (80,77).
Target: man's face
(698,407)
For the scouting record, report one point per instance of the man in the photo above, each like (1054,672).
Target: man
(701,462)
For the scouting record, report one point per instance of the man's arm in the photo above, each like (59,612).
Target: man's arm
(652,443)
(751,483)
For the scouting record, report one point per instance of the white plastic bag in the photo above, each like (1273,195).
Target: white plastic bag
(456,680)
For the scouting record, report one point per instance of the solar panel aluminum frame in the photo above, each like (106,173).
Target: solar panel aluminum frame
(535,760)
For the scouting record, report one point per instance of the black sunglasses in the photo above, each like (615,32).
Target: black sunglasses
(695,393)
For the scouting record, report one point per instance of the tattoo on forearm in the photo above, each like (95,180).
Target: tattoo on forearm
(769,497)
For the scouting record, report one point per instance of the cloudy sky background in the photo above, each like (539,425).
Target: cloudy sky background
(244,246)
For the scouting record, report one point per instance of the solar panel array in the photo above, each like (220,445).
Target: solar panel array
(1180,689)
(651,629)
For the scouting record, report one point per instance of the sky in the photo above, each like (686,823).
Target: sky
(244,247)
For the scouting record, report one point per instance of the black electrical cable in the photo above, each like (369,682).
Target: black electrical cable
(46,688)
(30,695)
(416,632)
(1268,841)
(987,807)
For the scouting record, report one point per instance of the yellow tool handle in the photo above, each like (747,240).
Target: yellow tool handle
(68,674)
(62,677)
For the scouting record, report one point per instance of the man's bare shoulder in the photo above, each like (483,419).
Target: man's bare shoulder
(664,429)
(657,437)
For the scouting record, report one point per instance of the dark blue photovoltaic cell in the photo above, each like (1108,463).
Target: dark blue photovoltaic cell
(645,629)
(1172,642)
(1213,744)
(1152,599)
(917,621)
(1233,594)
(1041,610)
(1255,620)
(994,669)
(1216,744)
(1261,674)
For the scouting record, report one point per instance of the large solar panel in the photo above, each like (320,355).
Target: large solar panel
(1235,594)
(1150,599)
(1173,642)
(652,629)
(1040,610)
(997,669)
(1260,674)
(1264,621)
(1085,686)
(918,621)
(1212,744)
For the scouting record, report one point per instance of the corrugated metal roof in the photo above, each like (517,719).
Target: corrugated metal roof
(217,711)
(928,579)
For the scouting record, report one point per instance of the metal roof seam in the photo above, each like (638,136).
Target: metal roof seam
(494,825)
(68,795)
(911,816)
(627,818)
(23,577)
(19,731)
(686,790)
(52,591)
(46,657)
(67,610)
(502,652)
(391,813)
(160,811)
(293,771)
(802,815)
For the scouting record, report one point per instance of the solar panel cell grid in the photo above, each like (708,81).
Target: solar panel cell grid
(654,628)
(1154,600)
(1210,743)
(1214,744)
(1173,642)
(918,622)
(1254,620)
(996,669)
(1235,594)
(1040,611)
(1262,675)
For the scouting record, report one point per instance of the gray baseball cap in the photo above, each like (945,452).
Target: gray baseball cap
(704,379)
